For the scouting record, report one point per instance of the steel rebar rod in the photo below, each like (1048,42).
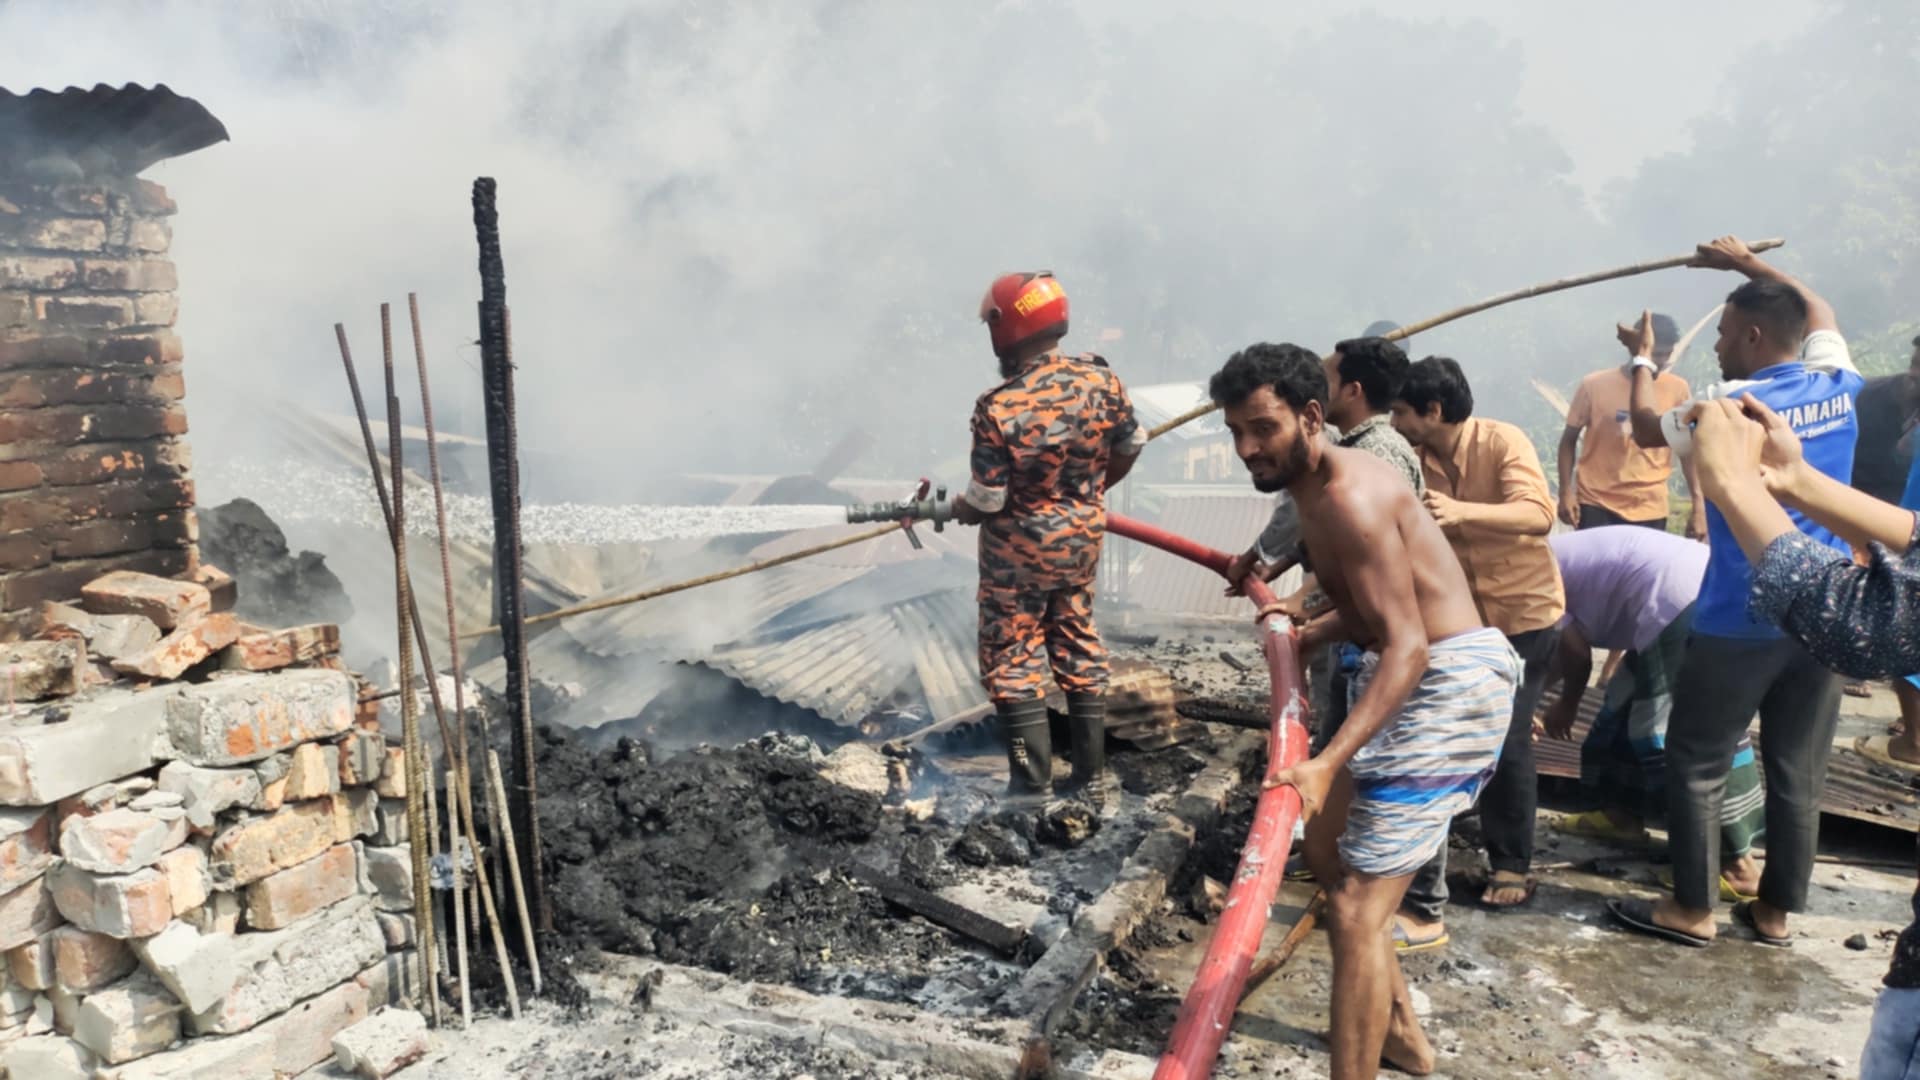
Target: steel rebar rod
(485,890)
(419,829)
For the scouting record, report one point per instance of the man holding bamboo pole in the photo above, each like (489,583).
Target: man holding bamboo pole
(1779,344)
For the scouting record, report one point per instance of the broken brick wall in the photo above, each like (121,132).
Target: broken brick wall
(94,465)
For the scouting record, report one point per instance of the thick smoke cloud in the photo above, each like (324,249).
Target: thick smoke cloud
(735,229)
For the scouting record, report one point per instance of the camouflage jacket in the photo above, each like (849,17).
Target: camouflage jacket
(1041,444)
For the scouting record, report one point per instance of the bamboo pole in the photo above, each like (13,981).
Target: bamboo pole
(1542,289)
(513,869)
(1284,951)
(484,889)
(459,908)
(705,579)
(419,829)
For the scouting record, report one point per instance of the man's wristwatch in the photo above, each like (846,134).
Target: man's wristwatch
(1645,362)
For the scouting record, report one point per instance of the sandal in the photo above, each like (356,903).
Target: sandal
(1875,748)
(1406,944)
(1743,914)
(1526,883)
(1728,893)
(1596,825)
(1637,915)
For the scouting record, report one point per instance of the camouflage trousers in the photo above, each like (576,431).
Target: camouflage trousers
(1024,632)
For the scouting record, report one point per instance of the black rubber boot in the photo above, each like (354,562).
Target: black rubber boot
(1023,726)
(1087,724)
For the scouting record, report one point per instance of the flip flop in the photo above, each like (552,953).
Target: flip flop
(1405,944)
(1874,748)
(1743,914)
(1637,915)
(1529,885)
(1728,893)
(1595,825)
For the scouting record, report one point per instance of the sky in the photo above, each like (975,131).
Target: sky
(722,219)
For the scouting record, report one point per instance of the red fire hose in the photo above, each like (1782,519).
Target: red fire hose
(1208,1010)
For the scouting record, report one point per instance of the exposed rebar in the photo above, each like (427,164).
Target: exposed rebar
(419,829)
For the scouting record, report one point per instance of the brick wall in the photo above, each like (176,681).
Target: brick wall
(94,466)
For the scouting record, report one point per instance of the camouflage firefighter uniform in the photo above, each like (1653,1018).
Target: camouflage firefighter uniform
(1041,444)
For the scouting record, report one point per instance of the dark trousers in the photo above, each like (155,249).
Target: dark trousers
(1596,517)
(1723,682)
(1508,804)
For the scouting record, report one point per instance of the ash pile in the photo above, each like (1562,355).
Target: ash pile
(875,872)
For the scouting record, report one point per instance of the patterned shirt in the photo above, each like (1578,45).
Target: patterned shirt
(1376,436)
(1862,621)
(1041,444)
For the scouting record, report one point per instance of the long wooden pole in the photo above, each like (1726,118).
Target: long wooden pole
(1195,413)
(1542,289)
(704,579)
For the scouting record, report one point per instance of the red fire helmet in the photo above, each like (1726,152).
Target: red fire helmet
(1022,308)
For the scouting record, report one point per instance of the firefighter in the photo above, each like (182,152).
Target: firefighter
(1047,443)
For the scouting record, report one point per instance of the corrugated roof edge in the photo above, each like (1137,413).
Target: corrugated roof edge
(77,134)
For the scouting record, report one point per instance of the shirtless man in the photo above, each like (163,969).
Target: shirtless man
(1430,703)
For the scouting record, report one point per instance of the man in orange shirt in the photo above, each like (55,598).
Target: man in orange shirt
(1489,496)
(1614,480)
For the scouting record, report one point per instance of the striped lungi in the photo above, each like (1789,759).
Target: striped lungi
(1430,760)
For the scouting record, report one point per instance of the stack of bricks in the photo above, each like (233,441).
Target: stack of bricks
(203,861)
(93,466)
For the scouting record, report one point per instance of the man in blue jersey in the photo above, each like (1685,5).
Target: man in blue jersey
(1780,344)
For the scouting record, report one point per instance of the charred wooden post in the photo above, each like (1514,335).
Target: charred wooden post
(503,475)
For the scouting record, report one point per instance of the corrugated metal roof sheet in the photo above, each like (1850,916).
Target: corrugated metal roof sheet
(918,651)
(1228,518)
(106,131)
(1857,787)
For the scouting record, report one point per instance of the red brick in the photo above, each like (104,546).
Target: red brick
(119,905)
(282,899)
(223,591)
(84,960)
(20,475)
(188,885)
(45,351)
(61,581)
(36,387)
(166,602)
(249,850)
(152,237)
(86,313)
(129,275)
(27,912)
(149,349)
(26,845)
(16,309)
(156,459)
(393,775)
(150,198)
(111,536)
(24,551)
(156,309)
(38,272)
(82,200)
(273,649)
(314,772)
(31,964)
(188,644)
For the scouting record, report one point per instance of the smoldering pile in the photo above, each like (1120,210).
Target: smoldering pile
(731,859)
